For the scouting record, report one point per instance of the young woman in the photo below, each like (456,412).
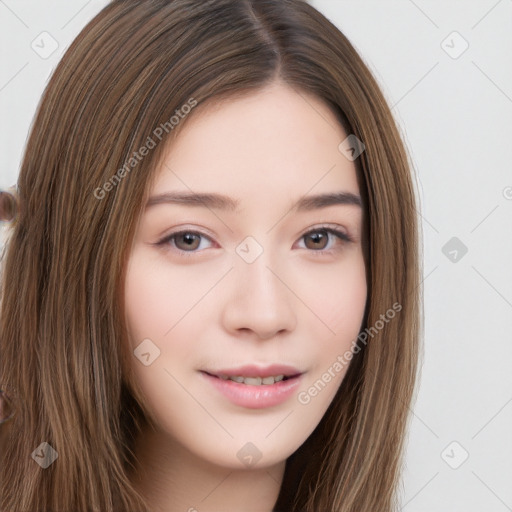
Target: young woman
(210,291)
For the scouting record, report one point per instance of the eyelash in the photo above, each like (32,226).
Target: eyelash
(343,237)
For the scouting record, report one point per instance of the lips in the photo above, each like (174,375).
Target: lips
(255,387)
(256,376)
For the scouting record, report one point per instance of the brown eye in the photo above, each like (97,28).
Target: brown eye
(319,239)
(325,240)
(187,241)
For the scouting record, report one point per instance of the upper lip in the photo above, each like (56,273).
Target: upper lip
(257,371)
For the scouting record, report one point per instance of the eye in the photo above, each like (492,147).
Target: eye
(318,239)
(187,242)
(184,241)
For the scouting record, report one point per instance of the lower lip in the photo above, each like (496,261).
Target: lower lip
(255,397)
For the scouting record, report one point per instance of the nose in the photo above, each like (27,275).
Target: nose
(260,301)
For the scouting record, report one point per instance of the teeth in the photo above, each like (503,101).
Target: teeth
(254,381)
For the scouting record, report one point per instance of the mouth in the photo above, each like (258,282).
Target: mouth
(254,381)
(253,375)
(255,387)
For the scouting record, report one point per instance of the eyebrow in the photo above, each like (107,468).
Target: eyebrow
(221,202)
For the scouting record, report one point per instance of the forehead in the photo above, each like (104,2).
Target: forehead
(273,144)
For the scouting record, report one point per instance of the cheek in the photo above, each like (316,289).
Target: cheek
(159,295)
(336,297)
(157,302)
(162,304)
(338,303)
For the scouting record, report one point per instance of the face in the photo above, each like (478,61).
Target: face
(241,309)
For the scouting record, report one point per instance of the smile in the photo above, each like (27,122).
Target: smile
(253,381)
(255,392)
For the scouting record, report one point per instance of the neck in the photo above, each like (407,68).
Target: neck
(173,479)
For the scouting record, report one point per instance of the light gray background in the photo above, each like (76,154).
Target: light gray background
(455,113)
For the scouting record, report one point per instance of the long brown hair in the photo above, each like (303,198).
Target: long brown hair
(130,70)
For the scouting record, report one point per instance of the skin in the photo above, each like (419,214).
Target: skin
(296,304)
